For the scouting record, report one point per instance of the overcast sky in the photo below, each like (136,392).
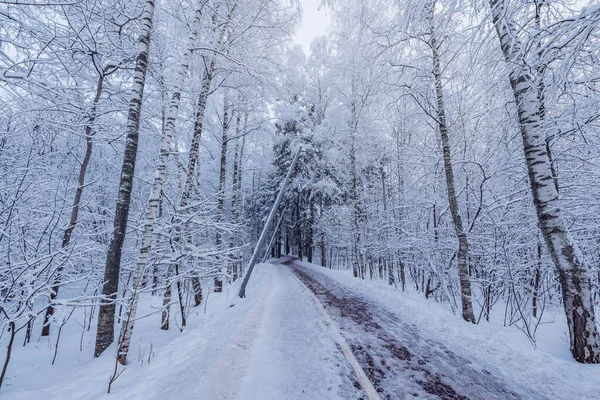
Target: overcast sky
(314,23)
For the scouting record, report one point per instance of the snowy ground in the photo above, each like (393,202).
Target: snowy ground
(271,345)
(275,344)
(548,371)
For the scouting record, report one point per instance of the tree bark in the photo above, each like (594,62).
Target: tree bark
(299,227)
(568,259)
(462,256)
(76,200)
(323,251)
(13,332)
(155,195)
(358,264)
(236,202)
(106,316)
(218,281)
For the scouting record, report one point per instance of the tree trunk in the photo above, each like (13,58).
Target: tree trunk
(235,199)
(298,227)
(155,195)
(221,193)
(106,316)
(536,281)
(463,243)
(357,260)
(76,200)
(13,332)
(167,296)
(268,224)
(568,259)
(193,159)
(309,239)
(402,276)
(323,251)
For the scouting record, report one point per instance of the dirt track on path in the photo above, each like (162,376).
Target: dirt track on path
(400,363)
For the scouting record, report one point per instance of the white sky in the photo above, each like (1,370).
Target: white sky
(314,23)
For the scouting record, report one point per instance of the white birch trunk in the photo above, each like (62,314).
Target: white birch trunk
(154,200)
(568,259)
(106,315)
(221,193)
(462,255)
(235,198)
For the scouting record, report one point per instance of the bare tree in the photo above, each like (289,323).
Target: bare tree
(155,196)
(574,280)
(462,256)
(106,316)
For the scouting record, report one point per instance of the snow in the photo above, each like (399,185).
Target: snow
(549,369)
(296,356)
(271,345)
(275,344)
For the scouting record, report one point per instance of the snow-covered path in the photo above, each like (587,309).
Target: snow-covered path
(399,360)
(275,346)
(295,356)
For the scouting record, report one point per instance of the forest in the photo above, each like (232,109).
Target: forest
(449,149)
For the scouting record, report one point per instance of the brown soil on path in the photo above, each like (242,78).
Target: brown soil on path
(400,363)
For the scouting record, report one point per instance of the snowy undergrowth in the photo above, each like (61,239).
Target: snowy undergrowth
(154,354)
(549,368)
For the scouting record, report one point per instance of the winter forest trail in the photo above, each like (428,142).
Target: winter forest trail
(398,360)
(283,342)
(277,345)
(274,346)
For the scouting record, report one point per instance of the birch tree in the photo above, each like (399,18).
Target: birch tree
(106,317)
(154,200)
(221,190)
(568,259)
(462,255)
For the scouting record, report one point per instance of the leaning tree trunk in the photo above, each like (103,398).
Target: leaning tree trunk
(155,195)
(568,259)
(89,132)
(106,316)
(462,256)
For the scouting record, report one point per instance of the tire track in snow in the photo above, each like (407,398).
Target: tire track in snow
(361,375)
(397,360)
(295,356)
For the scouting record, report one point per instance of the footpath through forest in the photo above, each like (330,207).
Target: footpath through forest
(399,361)
(280,343)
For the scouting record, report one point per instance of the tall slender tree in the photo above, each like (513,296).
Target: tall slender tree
(106,316)
(577,295)
(462,255)
(157,187)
